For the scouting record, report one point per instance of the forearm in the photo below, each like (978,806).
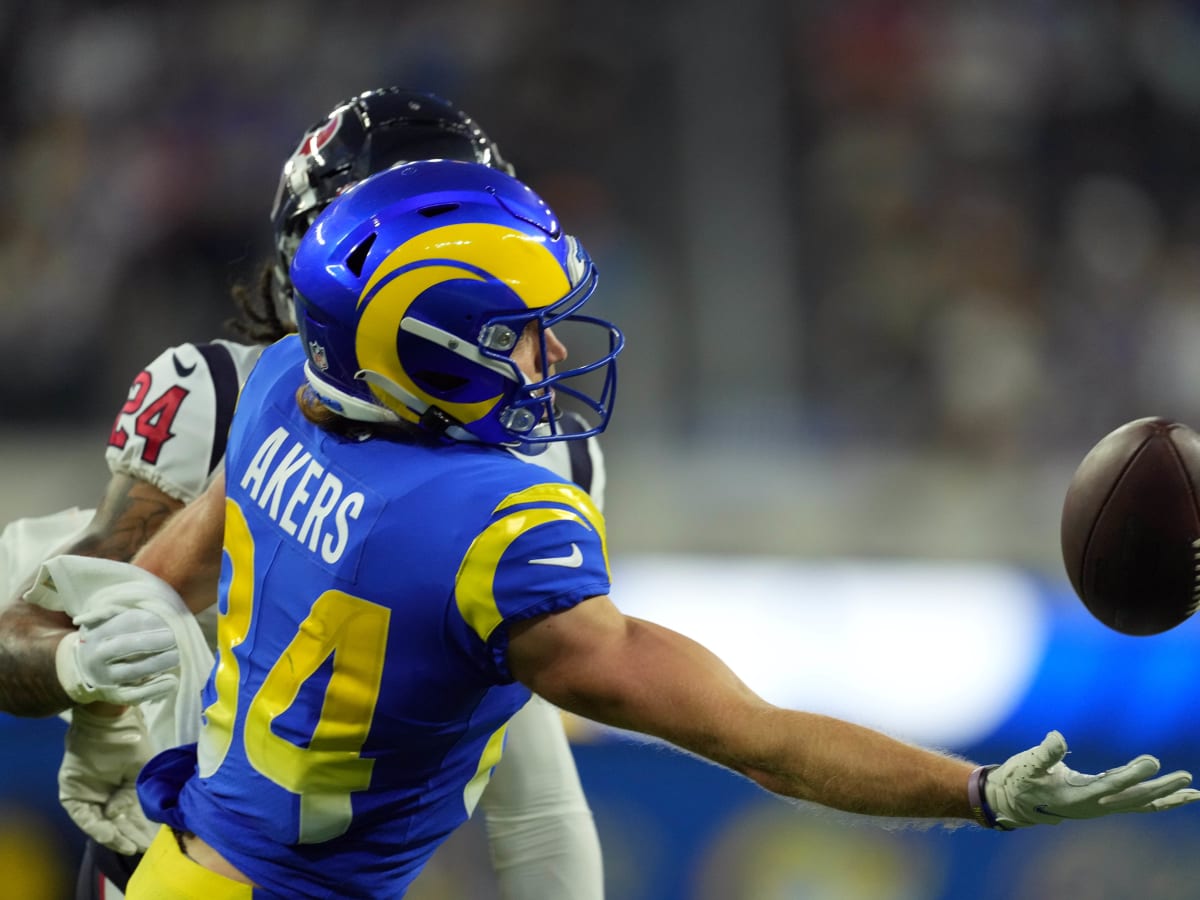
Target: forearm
(848,767)
(30,685)
(129,513)
(29,637)
(668,686)
(186,553)
(636,675)
(709,711)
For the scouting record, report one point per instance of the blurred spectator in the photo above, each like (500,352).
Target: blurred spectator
(990,205)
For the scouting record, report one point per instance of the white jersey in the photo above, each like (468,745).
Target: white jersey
(171,431)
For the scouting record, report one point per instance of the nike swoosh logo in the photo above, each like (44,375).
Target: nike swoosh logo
(572,561)
(1041,808)
(182,370)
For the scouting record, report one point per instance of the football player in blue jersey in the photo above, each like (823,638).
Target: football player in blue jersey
(166,445)
(395,583)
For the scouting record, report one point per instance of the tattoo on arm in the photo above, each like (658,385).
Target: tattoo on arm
(129,515)
(29,637)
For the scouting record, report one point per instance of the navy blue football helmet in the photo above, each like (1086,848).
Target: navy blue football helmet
(364,135)
(414,288)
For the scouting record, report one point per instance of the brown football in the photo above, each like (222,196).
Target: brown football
(1131,527)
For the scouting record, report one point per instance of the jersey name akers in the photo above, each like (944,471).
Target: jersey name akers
(307,502)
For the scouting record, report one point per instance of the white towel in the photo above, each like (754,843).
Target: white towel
(90,590)
(24,543)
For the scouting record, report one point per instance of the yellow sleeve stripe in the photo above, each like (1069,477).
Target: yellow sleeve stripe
(569,495)
(474,585)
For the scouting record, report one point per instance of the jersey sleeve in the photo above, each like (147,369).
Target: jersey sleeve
(543,551)
(172,430)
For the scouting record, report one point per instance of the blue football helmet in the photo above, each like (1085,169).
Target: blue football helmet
(359,137)
(415,286)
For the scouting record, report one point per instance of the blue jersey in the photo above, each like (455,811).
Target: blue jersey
(361,689)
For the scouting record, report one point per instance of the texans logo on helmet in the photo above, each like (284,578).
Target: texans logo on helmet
(316,140)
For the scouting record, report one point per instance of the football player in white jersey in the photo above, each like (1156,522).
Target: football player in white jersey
(166,445)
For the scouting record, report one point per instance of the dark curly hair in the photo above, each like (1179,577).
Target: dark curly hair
(256,320)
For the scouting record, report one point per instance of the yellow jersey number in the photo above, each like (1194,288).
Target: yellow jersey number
(330,768)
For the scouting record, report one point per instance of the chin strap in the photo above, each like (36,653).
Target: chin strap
(437,421)
(357,409)
(347,405)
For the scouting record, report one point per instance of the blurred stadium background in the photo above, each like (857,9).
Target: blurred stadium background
(888,270)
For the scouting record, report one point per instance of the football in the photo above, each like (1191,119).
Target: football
(1131,527)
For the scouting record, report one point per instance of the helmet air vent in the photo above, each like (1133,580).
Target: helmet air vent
(358,256)
(437,209)
(442,382)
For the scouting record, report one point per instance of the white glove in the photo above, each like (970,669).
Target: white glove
(1036,788)
(128,658)
(97,778)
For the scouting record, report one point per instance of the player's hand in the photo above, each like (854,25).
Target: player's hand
(1037,788)
(97,778)
(128,658)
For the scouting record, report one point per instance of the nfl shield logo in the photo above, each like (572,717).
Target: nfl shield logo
(317,353)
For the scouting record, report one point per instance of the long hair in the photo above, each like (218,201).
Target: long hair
(256,320)
(313,409)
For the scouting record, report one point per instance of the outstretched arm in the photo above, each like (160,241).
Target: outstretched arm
(637,675)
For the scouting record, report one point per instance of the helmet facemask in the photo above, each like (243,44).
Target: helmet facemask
(531,415)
